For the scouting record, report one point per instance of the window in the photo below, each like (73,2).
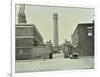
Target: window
(90,31)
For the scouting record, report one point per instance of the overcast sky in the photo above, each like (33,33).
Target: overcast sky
(42,18)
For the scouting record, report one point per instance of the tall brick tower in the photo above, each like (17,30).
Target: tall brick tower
(55,33)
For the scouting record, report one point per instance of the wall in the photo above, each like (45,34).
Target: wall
(86,42)
(40,52)
(85,46)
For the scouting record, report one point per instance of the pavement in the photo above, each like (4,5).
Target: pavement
(57,63)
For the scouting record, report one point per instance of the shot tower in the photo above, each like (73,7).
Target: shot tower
(55,33)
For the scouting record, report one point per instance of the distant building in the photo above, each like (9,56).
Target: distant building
(48,44)
(67,49)
(83,39)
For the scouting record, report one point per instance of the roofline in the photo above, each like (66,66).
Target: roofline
(84,23)
(24,24)
(19,24)
(81,25)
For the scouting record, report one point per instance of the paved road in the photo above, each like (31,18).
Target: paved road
(58,63)
(58,55)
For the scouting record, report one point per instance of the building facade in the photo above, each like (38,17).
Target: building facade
(27,37)
(83,39)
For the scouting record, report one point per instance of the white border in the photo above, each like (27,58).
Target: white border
(13,39)
(69,3)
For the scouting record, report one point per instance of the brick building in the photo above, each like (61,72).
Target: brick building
(83,39)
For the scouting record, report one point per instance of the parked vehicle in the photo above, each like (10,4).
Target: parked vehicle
(74,56)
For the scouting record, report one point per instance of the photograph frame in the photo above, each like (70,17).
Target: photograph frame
(13,29)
